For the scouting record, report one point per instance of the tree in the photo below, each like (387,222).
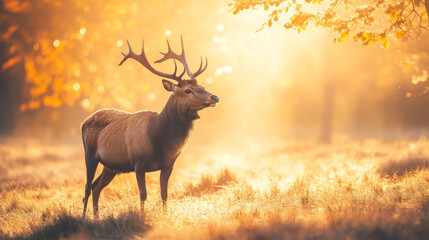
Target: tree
(59,43)
(70,49)
(367,21)
(62,56)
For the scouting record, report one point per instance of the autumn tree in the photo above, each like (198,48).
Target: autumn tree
(64,54)
(366,21)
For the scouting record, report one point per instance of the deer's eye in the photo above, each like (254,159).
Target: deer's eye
(189,91)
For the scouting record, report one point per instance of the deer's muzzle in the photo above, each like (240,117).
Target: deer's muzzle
(212,101)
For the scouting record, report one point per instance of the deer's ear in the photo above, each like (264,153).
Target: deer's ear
(169,86)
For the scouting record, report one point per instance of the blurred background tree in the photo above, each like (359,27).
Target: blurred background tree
(63,54)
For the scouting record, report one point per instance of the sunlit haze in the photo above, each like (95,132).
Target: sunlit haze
(320,126)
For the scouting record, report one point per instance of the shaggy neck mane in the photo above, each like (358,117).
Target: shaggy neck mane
(171,127)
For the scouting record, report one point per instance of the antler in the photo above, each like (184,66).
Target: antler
(181,58)
(141,58)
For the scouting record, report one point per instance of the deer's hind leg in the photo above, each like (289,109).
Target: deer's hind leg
(101,182)
(91,167)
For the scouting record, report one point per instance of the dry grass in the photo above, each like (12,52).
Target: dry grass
(401,167)
(265,190)
(65,225)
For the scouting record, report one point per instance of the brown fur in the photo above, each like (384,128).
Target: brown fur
(142,141)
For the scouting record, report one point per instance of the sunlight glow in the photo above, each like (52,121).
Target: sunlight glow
(86,103)
(209,80)
(56,43)
(227,69)
(244,166)
(152,96)
(119,43)
(76,86)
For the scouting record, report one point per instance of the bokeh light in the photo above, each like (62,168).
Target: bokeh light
(76,86)
(56,43)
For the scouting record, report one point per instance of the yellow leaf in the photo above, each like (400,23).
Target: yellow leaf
(400,34)
(386,44)
(270,23)
(341,40)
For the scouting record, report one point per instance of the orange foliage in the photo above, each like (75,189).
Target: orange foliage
(33,104)
(9,32)
(52,101)
(367,21)
(11,62)
(15,6)
(68,42)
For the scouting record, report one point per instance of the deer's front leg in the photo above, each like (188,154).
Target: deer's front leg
(141,182)
(163,179)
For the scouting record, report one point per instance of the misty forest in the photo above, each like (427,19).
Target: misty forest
(285,119)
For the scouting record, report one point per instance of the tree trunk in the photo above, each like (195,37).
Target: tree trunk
(11,83)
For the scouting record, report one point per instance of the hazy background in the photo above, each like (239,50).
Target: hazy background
(59,64)
(254,166)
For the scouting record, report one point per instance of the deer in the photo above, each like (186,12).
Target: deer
(144,141)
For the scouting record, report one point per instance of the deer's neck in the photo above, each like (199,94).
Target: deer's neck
(171,128)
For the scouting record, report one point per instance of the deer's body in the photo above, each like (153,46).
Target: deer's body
(119,139)
(142,141)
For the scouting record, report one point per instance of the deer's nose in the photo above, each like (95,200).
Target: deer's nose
(215,98)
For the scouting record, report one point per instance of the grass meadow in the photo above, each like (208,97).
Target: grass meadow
(251,189)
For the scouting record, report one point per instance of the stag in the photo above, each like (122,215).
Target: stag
(144,141)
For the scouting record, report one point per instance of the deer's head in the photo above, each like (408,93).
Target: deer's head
(191,96)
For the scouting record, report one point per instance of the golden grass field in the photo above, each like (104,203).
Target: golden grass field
(248,189)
